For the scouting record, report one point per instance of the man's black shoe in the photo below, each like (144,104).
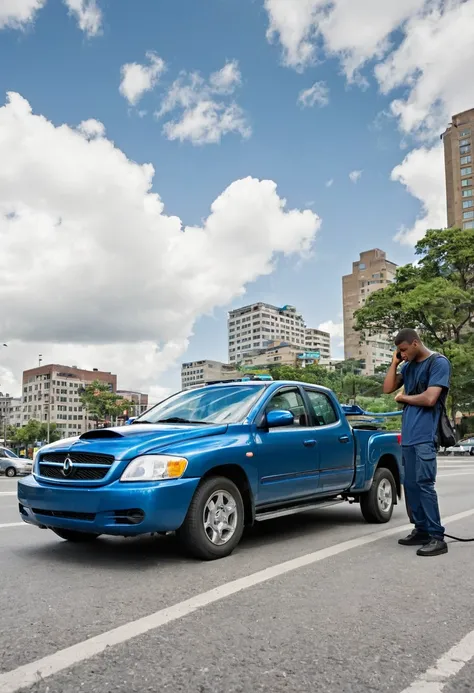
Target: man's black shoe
(415,538)
(436,547)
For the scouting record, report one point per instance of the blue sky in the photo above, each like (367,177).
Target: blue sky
(69,75)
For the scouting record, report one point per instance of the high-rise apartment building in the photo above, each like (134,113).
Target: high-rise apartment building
(459,166)
(205,371)
(370,273)
(139,401)
(52,393)
(256,326)
(317,340)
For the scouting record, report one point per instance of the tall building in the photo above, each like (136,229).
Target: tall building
(318,341)
(205,371)
(370,273)
(139,401)
(458,166)
(256,326)
(51,393)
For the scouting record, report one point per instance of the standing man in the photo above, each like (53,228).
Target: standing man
(425,376)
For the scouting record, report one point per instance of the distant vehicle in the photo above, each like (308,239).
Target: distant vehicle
(11,465)
(207,462)
(468,443)
(460,449)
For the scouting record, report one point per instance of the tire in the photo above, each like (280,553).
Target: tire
(375,509)
(202,541)
(76,537)
(11,472)
(471,452)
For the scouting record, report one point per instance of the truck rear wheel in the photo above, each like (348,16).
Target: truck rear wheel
(77,537)
(215,520)
(377,504)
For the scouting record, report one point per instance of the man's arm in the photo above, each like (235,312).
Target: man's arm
(393,380)
(428,398)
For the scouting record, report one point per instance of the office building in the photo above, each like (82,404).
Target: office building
(318,341)
(256,326)
(139,401)
(370,273)
(458,167)
(52,393)
(206,371)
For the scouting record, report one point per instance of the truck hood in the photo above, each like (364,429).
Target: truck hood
(128,441)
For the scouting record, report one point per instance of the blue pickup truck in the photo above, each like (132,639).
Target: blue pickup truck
(209,461)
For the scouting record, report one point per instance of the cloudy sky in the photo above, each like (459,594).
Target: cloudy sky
(163,161)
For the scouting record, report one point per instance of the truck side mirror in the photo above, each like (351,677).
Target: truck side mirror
(279,418)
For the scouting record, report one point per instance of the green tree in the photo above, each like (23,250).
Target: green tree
(32,432)
(102,404)
(436,297)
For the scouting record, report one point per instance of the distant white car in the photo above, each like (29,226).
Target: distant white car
(12,465)
(461,449)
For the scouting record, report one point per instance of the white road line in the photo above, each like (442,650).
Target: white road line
(29,674)
(444,476)
(447,666)
(14,524)
(7,493)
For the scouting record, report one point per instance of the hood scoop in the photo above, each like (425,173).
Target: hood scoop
(100,434)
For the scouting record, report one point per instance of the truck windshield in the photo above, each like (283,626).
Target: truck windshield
(219,404)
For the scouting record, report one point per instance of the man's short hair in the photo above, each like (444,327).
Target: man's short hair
(407,335)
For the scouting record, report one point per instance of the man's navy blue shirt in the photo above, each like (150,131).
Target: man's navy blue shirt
(419,424)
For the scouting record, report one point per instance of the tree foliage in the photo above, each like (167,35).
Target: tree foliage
(32,432)
(435,297)
(101,403)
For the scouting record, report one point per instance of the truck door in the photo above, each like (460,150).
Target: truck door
(335,443)
(287,458)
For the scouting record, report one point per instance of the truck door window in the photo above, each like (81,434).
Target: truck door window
(289,400)
(324,412)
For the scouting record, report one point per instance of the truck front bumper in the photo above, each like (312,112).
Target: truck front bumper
(119,508)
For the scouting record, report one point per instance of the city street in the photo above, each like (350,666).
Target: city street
(316,602)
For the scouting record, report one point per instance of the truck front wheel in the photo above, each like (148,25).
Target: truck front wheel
(377,504)
(77,537)
(215,520)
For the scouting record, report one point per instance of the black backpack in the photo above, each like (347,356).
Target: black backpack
(445,435)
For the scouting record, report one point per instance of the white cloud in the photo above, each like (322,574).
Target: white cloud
(329,183)
(16,14)
(108,280)
(355,176)
(205,117)
(318,94)
(92,128)
(431,60)
(356,31)
(422,173)
(138,79)
(88,15)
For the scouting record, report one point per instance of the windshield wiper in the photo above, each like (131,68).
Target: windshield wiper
(178,419)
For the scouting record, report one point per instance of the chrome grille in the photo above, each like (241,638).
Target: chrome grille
(84,466)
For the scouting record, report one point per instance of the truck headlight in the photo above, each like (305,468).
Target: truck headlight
(154,468)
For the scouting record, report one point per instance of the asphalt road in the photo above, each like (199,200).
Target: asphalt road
(340,617)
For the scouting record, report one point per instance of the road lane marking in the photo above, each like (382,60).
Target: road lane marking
(444,476)
(447,666)
(7,493)
(14,524)
(34,672)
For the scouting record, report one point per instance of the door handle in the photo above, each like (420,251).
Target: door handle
(344,439)
(309,443)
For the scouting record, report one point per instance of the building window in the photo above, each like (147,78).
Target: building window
(468,225)
(467,193)
(462,143)
(466,182)
(465,150)
(468,215)
(465,133)
(466,159)
(466,171)
(467,203)
(362,266)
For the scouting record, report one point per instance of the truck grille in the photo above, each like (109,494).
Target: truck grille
(74,466)
(66,514)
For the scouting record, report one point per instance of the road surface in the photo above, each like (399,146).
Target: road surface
(316,602)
